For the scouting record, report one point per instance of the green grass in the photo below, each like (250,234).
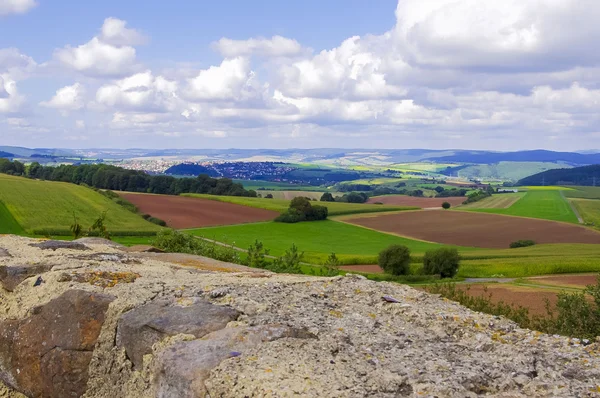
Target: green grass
(281,205)
(8,224)
(44,207)
(583,192)
(498,201)
(589,210)
(318,239)
(293,193)
(544,204)
(276,186)
(528,266)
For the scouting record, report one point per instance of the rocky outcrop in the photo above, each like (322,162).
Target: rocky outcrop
(47,354)
(106,323)
(142,327)
(11,276)
(59,244)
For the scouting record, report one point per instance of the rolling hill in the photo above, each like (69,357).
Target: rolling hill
(585,176)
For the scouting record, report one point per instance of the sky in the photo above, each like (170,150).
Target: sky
(464,74)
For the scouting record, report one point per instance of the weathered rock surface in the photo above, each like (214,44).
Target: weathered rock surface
(4,253)
(12,276)
(48,353)
(59,244)
(141,327)
(142,249)
(280,335)
(91,240)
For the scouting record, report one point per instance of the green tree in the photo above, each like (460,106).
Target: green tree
(395,260)
(443,261)
(332,265)
(445,205)
(327,197)
(257,255)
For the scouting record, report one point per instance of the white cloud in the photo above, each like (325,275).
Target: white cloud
(232,80)
(276,46)
(10,99)
(66,99)
(16,6)
(142,92)
(109,54)
(16,64)
(79,124)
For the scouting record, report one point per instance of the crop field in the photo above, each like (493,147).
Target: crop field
(583,192)
(276,186)
(8,224)
(476,229)
(180,212)
(423,203)
(589,210)
(281,205)
(499,201)
(544,204)
(289,195)
(41,207)
(354,245)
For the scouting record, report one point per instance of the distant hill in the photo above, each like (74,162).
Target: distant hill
(7,155)
(188,169)
(486,157)
(586,175)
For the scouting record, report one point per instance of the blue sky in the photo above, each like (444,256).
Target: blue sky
(475,74)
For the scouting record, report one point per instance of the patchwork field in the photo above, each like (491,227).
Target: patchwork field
(281,205)
(589,210)
(289,195)
(543,204)
(404,200)
(583,192)
(181,212)
(474,229)
(499,201)
(44,207)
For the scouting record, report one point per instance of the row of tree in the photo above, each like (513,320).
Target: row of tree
(104,176)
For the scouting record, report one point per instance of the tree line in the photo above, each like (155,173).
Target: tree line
(115,178)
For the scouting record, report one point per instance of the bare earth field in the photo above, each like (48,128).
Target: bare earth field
(576,281)
(532,298)
(403,200)
(182,212)
(476,229)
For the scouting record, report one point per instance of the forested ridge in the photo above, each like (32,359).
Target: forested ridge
(104,176)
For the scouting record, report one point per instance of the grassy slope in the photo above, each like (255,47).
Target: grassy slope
(494,202)
(8,224)
(583,192)
(280,205)
(589,210)
(49,206)
(544,204)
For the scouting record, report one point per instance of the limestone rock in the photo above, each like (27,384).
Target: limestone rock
(142,249)
(141,327)
(4,253)
(11,276)
(59,244)
(182,368)
(48,353)
(91,241)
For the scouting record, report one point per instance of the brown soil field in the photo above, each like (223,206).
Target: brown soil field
(403,200)
(531,298)
(181,212)
(476,229)
(576,281)
(370,269)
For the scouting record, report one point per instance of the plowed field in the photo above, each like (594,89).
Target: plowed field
(403,200)
(476,229)
(183,212)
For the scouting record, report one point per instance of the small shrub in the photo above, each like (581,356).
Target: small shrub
(378,203)
(257,255)
(76,228)
(157,221)
(327,197)
(395,260)
(332,265)
(289,262)
(291,216)
(302,210)
(444,261)
(446,205)
(269,196)
(522,243)
(146,216)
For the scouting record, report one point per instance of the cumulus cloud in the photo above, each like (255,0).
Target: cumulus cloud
(142,92)
(276,46)
(108,54)
(10,99)
(66,99)
(16,6)
(16,64)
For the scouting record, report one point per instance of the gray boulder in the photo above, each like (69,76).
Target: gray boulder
(59,244)
(143,326)
(11,276)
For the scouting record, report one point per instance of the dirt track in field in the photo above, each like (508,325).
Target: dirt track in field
(476,229)
(403,200)
(181,212)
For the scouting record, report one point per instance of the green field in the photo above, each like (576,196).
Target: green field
(8,224)
(583,192)
(44,207)
(276,186)
(544,204)
(318,239)
(589,210)
(498,201)
(289,195)
(281,205)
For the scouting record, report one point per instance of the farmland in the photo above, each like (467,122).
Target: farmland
(8,224)
(280,205)
(499,201)
(41,207)
(583,192)
(404,200)
(181,212)
(589,209)
(546,204)
(289,195)
(474,229)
